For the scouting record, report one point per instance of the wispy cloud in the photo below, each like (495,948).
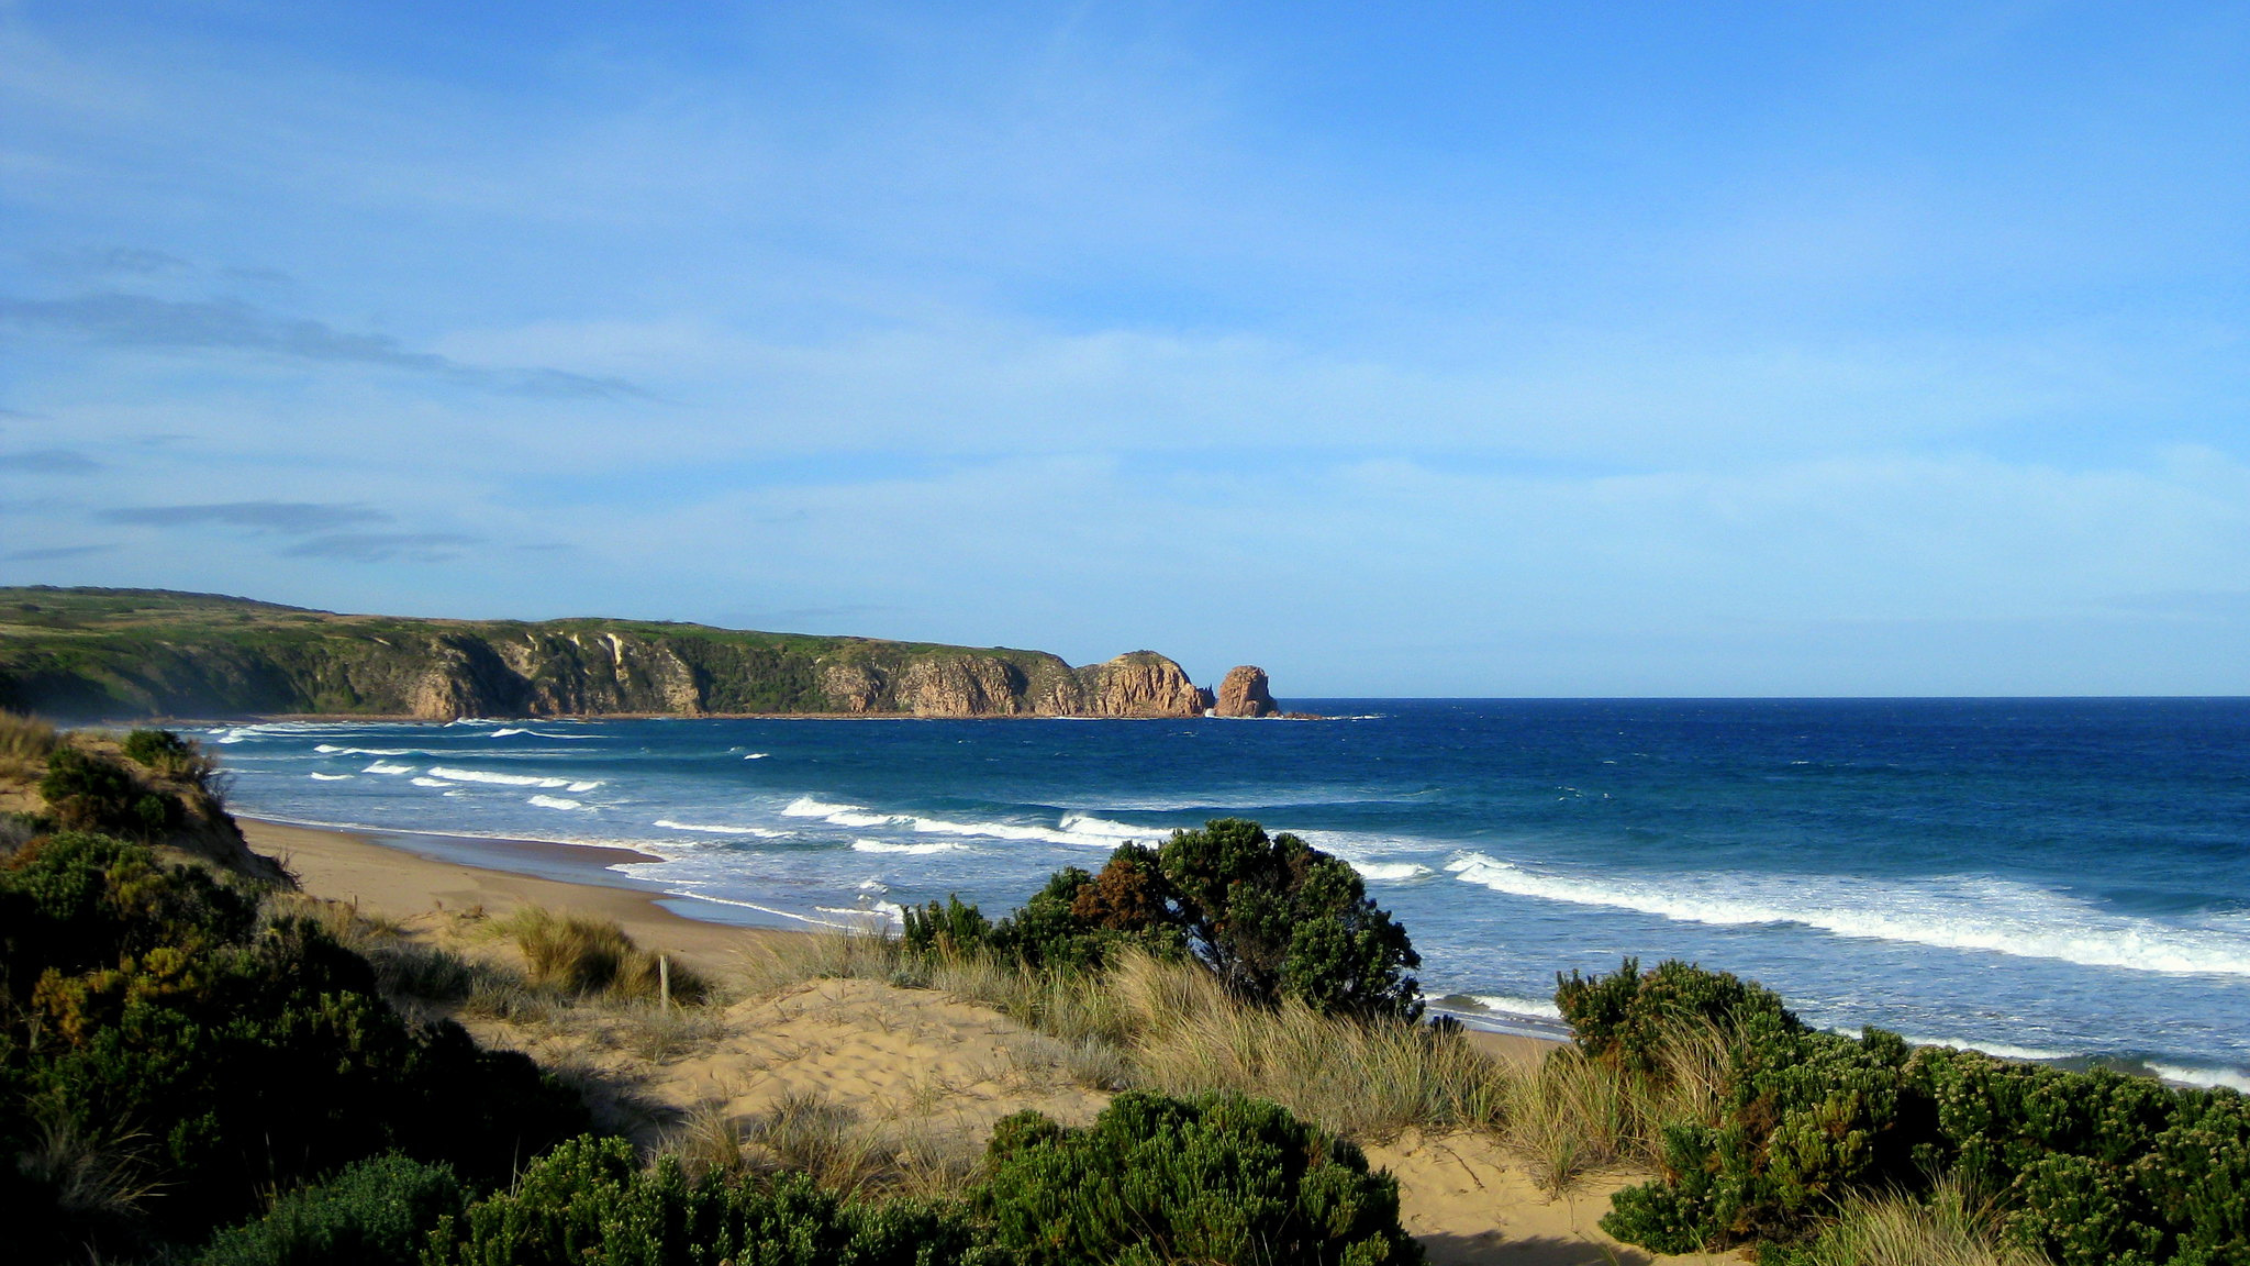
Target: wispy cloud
(50,461)
(295,518)
(378,547)
(53,552)
(144,321)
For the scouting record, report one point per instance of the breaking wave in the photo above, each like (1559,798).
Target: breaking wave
(1989,915)
(718,829)
(884,846)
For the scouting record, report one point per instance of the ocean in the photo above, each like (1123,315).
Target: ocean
(2046,879)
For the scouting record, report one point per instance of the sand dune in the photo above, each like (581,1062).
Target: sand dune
(909,1069)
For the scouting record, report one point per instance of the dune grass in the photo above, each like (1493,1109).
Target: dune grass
(583,955)
(1954,1227)
(25,743)
(1169,1026)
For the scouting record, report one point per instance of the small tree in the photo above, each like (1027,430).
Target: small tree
(1276,917)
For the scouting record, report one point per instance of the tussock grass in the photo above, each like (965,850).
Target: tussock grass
(1366,1079)
(1171,1026)
(583,955)
(404,968)
(25,738)
(1955,1227)
(807,1132)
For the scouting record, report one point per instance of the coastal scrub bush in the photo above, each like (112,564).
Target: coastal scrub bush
(377,1212)
(590,1203)
(1271,916)
(167,755)
(151,1018)
(88,791)
(2084,1168)
(1220,1179)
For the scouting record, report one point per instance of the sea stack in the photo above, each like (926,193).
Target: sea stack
(1244,694)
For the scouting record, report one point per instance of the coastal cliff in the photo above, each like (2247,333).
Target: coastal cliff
(121,653)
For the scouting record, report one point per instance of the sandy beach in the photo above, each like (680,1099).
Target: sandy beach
(925,1068)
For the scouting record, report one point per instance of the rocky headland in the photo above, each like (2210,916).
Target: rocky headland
(117,653)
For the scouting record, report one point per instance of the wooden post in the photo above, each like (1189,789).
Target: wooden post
(663,983)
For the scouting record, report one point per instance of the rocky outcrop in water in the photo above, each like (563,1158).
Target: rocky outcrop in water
(1137,684)
(97,653)
(1244,693)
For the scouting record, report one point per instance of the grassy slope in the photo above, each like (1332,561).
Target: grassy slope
(109,652)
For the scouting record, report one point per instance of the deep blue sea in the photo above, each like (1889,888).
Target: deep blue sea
(2041,878)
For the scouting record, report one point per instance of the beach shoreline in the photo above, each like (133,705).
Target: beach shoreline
(401,874)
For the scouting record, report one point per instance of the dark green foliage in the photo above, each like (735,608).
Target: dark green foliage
(1218,1179)
(1627,1017)
(160,750)
(2087,1167)
(378,1212)
(91,792)
(589,1203)
(151,1026)
(1276,917)
(953,928)
(1273,917)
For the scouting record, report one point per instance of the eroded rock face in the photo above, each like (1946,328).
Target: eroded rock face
(1244,693)
(851,687)
(1139,684)
(960,686)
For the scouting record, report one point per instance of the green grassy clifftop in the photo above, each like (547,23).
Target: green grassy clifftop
(109,653)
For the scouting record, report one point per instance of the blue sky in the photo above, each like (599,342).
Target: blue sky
(1479,349)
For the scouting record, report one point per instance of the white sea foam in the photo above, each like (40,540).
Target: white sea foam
(2206,1077)
(807,807)
(1509,1004)
(380,767)
(584,786)
(716,829)
(883,846)
(755,756)
(880,911)
(1963,914)
(330,749)
(431,782)
(330,777)
(556,802)
(1391,871)
(501,780)
(2002,1050)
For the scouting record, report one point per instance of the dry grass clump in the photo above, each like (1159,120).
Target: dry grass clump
(404,968)
(25,744)
(1366,1079)
(807,1132)
(1568,1115)
(1954,1228)
(1170,1026)
(582,955)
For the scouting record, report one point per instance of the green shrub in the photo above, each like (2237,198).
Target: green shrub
(152,1022)
(1272,916)
(1277,917)
(2085,1167)
(955,928)
(376,1213)
(589,1203)
(91,792)
(1218,1179)
(1627,1018)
